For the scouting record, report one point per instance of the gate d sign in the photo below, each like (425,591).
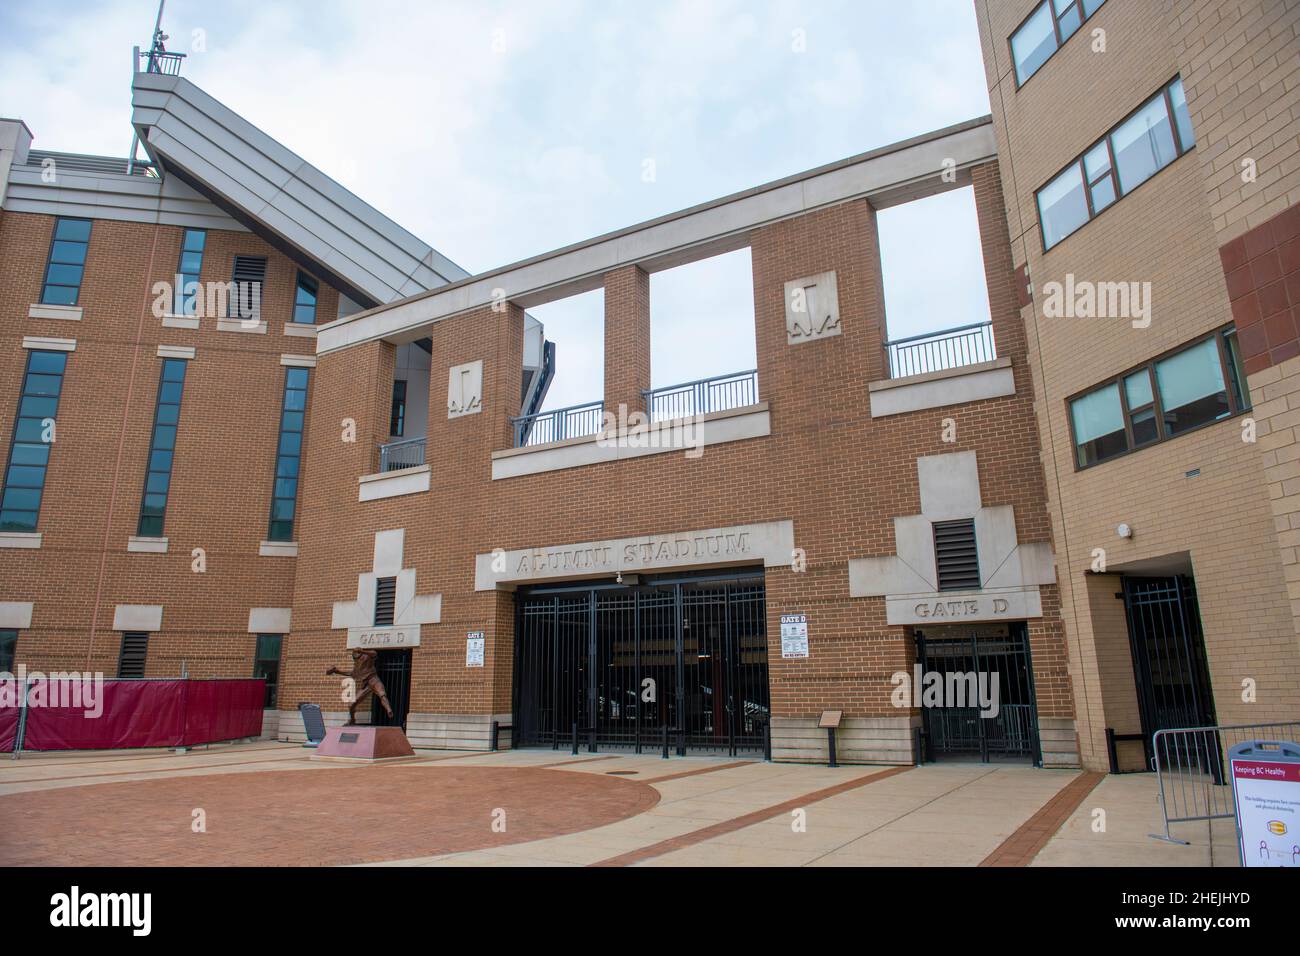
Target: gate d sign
(794,635)
(1266,791)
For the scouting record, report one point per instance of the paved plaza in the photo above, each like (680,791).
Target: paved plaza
(273,804)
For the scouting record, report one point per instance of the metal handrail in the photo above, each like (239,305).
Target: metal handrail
(944,349)
(716,394)
(574,421)
(169,64)
(407,453)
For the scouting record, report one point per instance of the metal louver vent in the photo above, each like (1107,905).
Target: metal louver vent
(249,278)
(955,555)
(385,600)
(135,646)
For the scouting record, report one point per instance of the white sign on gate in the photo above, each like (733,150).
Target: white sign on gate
(1267,796)
(474,649)
(794,635)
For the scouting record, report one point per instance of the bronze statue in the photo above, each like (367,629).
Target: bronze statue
(366,681)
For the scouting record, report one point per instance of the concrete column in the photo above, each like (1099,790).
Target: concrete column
(627,338)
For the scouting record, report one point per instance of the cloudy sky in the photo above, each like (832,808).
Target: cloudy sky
(499,130)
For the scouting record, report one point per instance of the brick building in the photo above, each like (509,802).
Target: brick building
(706,560)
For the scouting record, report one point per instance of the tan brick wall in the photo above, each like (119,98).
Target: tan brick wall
(225,454)
(1167,232)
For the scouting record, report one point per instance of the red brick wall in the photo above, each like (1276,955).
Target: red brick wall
(627,338)
(1262,269)
(224,462)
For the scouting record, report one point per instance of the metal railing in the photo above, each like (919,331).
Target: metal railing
(154,61)
(557,424)
(1191,765)
(704,395)
(401,454)
(936,351)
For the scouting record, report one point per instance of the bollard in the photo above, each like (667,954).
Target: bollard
(496,733)
(830,746)
(574,751)
(665,731)
(591,740)
(767,740)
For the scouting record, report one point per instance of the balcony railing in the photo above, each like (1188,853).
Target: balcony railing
(717,394)
(159,62)
(936,351)
(557,424)
(401,454)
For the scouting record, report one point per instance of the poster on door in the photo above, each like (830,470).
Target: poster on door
(1267,794)
(474,646)
(794,635)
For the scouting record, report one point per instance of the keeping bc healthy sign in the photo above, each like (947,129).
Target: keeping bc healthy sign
(1266,787)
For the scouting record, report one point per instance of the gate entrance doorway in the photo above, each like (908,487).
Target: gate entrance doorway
(394,668)
(1169,663)
(994,657)
(624,663)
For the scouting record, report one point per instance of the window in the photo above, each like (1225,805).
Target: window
(1126,157)
(29,454)
(188,295)
(135,647)
(288,461)
(67,262)
(397,418)
(8,646)
(955,555)
(249,276)
(385,601)
(266,664)
(1193,386)
(304,300)
(162,448)
(1045,30)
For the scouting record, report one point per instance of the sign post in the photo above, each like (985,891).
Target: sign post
(1266,793)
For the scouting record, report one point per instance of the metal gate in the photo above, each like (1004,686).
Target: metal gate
(624,664)
(992,653)
(1169,665)
(394,669)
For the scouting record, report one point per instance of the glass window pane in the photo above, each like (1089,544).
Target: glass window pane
(194,240)
(1089,6)
(1069,20)
(287,468)
(25,476)
(153,504)
(17,520)
(149,526)
(1240,386)
(1143,145)
(286,487)
(50,363)
(59,295)
(164,436)
(1098,425)
(170,392)
(30,430)
(290,443)
(73,252)
(36,406)
(77,230)
(160,461)
(281,531)
(296,378)
(1182,116)
(191,262)
(295,400)
(173,370)
(1191,387)
(1103,194)
(157,482)
(1062,206)
(282,509)
(21,499)
(291,421)
(304,313)
(63,275)
(36,384)
(1144,427)
(1033,43)
(30,454)
(1137,389)
(168,414)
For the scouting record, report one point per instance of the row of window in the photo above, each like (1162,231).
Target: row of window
(66,264)
(1044,32)
(35,432)
(1131,153)
(1193,386)
(135,649)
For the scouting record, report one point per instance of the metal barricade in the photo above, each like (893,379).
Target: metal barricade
(1191,766)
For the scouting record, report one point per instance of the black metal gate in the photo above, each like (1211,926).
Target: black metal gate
(991,653)
(1169,663)
(623,664)
(394,668)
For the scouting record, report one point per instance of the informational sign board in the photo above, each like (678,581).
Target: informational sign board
(794,635)
(474,648)
(1266,791)
(380,638)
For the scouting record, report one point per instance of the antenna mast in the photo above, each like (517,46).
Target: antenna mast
(156,46)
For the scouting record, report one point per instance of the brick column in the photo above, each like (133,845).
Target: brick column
(627,338)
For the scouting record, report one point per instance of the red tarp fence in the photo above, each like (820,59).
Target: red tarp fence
(134,713)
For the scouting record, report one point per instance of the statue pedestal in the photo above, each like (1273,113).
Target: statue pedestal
(365,743)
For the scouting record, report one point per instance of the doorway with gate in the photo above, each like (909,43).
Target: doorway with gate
(988,660)
(628,666)
(394,669)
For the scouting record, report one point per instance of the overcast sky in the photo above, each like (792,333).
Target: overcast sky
(496,131)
